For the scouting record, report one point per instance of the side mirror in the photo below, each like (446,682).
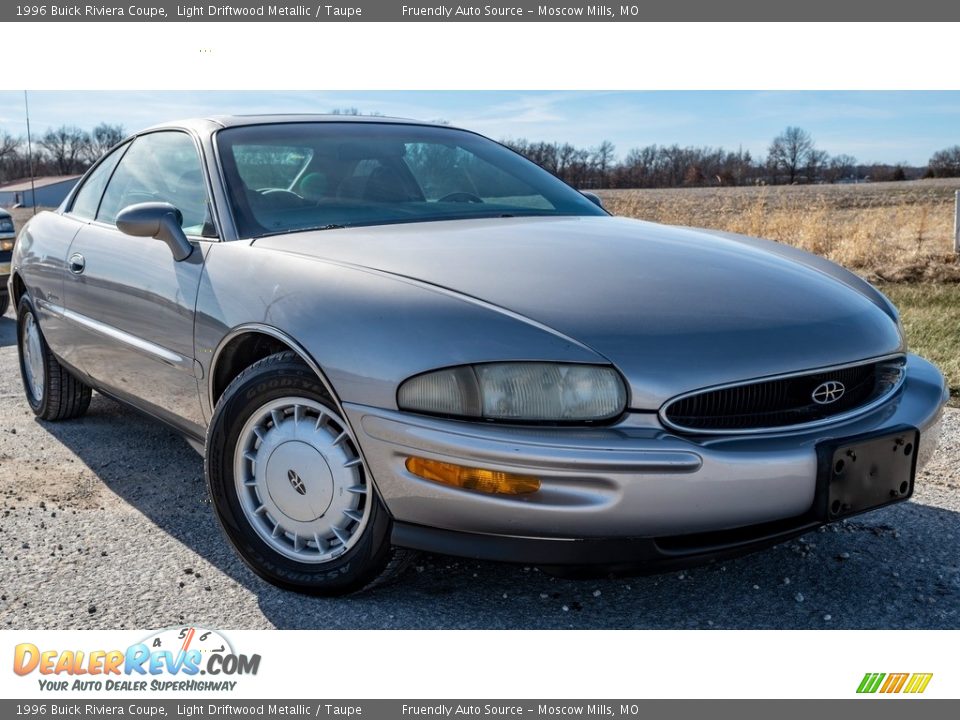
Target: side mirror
(595,199)
(158,220)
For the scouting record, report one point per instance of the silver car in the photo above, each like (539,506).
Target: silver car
(386,335)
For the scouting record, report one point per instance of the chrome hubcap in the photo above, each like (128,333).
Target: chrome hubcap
(300,480)
(32,357)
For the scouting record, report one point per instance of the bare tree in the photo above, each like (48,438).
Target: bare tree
(790,152)
(945,163)
(602,159)
(9,156)
(103,137)
(9,145)
(66,147)
(565,155)
(639,167)
(817,161)
(841,167)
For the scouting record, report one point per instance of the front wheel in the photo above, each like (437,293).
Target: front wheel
(289,485)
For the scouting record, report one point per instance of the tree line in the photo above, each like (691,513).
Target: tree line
(66,150)
(792,158)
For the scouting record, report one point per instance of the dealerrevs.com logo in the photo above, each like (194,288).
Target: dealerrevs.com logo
(172,659)
(892,683)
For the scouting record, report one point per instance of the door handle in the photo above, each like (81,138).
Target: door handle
(77,264)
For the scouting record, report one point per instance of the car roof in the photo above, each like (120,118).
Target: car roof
(4,213)
(216,122)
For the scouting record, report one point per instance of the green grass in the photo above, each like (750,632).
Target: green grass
(931,317)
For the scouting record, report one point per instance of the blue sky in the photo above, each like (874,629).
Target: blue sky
(886,126)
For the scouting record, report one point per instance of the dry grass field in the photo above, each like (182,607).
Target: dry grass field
(886,232)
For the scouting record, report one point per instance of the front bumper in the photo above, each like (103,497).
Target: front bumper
(630,493)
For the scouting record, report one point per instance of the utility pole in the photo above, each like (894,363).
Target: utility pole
(956,223)
(33,187)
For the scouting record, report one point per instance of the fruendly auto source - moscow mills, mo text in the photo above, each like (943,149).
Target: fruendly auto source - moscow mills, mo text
(319,11)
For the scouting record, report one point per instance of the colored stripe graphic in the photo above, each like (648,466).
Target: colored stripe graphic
(870,682)
(918,682)
(894,683)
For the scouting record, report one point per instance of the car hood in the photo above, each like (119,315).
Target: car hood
(675,309)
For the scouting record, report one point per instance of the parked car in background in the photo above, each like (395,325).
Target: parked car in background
(388,335)
(7,237)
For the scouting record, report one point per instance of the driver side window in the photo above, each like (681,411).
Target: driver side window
(87,200)
(161,167)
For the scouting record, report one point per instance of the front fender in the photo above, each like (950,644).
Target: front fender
(367,330)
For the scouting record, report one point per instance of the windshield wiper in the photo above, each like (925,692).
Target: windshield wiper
(304,229)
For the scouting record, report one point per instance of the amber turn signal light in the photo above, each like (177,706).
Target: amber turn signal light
(488,481)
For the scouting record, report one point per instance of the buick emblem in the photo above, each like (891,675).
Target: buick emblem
(828,392)
(298,485)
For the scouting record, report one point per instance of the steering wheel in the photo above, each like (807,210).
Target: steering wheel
(463,197)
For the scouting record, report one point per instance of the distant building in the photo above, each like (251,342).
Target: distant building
(50,191)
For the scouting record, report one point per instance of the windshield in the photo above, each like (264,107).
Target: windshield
(297,176)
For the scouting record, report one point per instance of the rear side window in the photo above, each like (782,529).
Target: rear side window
(161,167)
(87,200)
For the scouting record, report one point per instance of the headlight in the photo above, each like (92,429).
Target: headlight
(522,392)
(889,375)
(6,245)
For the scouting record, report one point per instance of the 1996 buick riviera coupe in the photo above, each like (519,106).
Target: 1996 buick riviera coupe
(387,334)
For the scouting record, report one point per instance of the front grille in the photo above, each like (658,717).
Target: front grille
(783,402)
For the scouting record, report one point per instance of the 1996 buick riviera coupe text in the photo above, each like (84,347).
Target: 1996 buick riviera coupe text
(386,334)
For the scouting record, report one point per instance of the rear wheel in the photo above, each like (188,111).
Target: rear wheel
(4,303)
(289,485)
(52,392)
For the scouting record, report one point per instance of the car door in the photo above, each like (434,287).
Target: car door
(130,303)
(47,281)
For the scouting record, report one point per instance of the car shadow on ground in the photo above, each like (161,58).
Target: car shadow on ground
(8,331)
(895,568)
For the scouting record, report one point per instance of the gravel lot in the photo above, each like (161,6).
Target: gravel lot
(105,524)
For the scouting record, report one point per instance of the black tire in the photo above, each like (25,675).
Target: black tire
(64,397)
(4,303)
(371,560)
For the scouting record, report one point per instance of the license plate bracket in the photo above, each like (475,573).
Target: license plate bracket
(865,472)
